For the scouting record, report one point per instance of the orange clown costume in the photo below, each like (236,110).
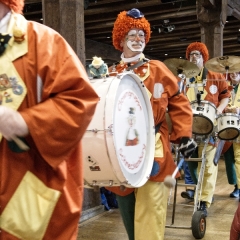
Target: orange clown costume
(231,150)
(144,209)
(41,190)
(214,91)
(235,226)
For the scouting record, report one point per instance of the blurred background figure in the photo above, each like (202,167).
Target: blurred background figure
(215,93)
(232,150)
(108,199)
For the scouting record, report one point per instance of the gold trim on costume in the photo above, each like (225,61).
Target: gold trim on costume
(12,88)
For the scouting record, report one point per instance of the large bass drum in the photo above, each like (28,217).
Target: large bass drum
(119,144)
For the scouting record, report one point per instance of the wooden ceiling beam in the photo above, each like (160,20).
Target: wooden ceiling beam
(102,2)
(27,14)
(180,44)
(101,28)
(32,1)
(151,16)
(233,48)
(234,8)
(119,7)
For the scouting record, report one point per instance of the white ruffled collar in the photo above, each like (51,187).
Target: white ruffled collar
(4,22)
(132,59)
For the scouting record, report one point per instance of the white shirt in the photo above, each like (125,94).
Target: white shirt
(4,22)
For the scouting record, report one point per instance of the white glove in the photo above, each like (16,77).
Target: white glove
(12,124)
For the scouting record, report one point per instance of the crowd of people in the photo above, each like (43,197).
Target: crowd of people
(140,208)
(45,91)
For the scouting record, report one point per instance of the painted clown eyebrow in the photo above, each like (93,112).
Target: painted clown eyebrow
(197,54)
(134,31)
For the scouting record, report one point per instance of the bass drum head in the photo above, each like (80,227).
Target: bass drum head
(133,130)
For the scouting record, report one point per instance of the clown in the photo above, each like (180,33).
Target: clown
(144,209)
(231,149)
(48,102)
(216,92)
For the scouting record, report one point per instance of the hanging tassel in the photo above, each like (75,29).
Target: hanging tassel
(18,34)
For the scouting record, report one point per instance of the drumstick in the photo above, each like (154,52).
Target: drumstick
(170,181)
(218,152)
(20,143)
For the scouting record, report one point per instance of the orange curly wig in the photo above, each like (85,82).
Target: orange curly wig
(15,5)
(124,24)
(201,47)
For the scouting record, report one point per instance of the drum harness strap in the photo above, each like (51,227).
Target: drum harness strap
(138,64)
(204,75)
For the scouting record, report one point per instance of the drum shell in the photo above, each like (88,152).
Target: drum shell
(204,115)
(228,126)
(100,148)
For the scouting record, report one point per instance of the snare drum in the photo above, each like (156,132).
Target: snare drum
(118,146)
(228,126)
(203,117)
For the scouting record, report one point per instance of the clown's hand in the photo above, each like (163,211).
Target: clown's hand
(187,146)
(12,124)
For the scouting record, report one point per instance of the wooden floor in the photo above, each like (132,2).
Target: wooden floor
(109,226)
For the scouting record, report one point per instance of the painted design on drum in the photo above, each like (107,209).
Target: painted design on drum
(129,94)
(95,168)
(131,131)
(132,134)
(135,165)
(213,89)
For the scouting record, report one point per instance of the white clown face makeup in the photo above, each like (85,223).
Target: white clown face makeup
(196,58)
(134,42)
(235,77)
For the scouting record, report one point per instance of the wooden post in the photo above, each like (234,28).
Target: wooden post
(212,16)
(67,18)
